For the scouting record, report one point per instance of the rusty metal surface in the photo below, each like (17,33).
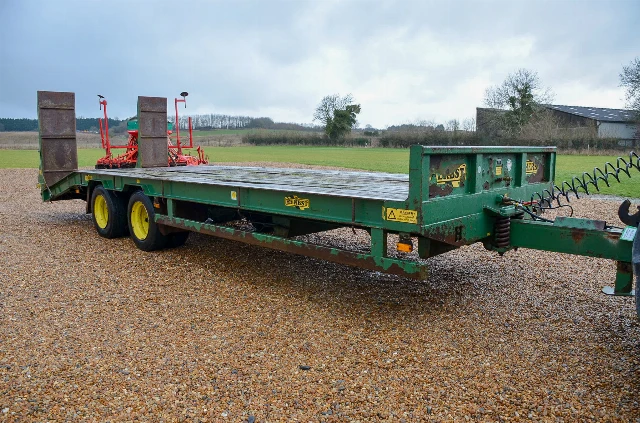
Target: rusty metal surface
(59,154)
(152,104)
(56,100)
(152,132)
(152,152)
(57,128)
(57,123)
(365,185)
(398,267)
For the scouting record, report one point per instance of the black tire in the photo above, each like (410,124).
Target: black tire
(143,228)
(109,213)
(177,239)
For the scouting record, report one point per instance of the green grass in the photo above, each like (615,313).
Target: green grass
(375,159)
(31,158)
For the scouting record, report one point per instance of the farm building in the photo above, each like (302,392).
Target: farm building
(610,123)
(600,122)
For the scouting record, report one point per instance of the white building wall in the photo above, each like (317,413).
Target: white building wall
(620,130)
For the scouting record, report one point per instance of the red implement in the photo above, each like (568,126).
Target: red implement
(129,158)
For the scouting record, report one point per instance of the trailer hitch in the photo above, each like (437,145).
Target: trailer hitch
(625,217)
(633,220)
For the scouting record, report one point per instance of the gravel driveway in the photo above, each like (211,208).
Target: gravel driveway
(96,330)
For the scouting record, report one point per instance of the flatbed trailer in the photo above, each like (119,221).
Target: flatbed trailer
(452,196)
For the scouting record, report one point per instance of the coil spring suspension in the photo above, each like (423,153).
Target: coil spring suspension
(587,180)
(502,231)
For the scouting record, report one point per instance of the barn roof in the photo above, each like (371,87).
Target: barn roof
(597,113)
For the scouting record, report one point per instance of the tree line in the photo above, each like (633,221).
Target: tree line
(208,121)
(23,124)
(219,121)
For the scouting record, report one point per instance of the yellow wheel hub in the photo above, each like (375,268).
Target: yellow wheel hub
(140,220)
(101,211)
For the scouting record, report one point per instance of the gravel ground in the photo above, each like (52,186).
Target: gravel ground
(96,330)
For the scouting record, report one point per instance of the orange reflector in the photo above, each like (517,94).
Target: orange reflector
(404,248)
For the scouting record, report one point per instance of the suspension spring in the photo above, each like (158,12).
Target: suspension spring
(502,231)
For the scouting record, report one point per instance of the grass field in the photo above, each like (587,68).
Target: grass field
(375,159)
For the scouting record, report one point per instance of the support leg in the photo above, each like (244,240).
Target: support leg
(378,242)
(624,281)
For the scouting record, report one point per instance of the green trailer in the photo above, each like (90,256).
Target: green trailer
(452,196)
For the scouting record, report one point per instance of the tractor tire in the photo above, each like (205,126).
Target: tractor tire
(109,213)
(143,228)
(177,239)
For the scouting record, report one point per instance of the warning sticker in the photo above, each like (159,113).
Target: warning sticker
(400,215)
(498,170)
(629,233)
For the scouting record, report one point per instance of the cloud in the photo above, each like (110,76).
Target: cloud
(402,60)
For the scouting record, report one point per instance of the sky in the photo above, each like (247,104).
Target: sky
(403,61)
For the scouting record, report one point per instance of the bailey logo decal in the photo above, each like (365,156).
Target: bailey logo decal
(297,202)
(455,178)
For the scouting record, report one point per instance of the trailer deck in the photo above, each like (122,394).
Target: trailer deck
(361,185)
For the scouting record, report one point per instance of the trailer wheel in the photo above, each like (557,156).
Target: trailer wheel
(142,226)
(177,239)
(108,213)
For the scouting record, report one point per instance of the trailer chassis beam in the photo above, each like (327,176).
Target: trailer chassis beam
(585,241)
(375,261)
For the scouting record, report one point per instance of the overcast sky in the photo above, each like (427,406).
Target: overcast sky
(402,60)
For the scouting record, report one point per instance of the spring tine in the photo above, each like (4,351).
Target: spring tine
(577,183)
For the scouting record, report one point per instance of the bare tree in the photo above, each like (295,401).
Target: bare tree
(469,124)
(426,123)
(521,94)
(630,80)
(501,96)
(453,125)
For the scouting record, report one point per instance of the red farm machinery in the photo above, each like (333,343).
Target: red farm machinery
(128,159)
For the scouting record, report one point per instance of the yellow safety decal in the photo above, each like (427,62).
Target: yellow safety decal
(295,201)
(234,195)
(531,168)
(88,177)
(399,215)
(455,178)
(498,170)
